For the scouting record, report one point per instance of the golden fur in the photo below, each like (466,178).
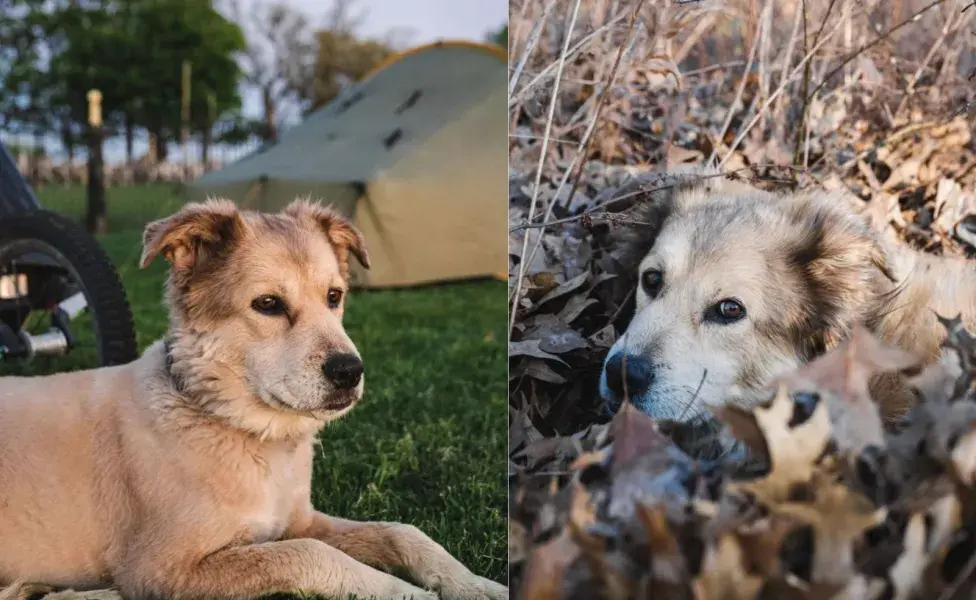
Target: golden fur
(192,478)
(803,266)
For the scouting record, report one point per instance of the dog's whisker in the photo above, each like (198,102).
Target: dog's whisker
(694,396)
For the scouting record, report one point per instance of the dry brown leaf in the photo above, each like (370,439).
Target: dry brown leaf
(844,373)
(548,450)
(634,435)
(531,348)
(722,575)
(667,562)
(762,542)
(537,369)
(906,573)
(583,527)
(546,570)
(838,516)
(519,544)
(793,451)
(964,457)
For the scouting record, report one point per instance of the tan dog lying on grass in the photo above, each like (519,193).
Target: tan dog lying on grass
(187,472)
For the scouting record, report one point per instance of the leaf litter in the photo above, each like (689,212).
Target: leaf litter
(827,510)
(830,500)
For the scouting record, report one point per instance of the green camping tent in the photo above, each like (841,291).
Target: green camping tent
(416,154)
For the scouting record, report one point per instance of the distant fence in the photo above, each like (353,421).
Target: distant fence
(45,160)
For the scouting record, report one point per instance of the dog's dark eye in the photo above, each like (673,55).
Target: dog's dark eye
(334,298)
(652,281)
(728,311)
(269,305)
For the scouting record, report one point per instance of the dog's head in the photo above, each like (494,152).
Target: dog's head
(256,303)
(734,287)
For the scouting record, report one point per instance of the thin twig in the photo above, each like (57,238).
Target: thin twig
(779,90)
(520,95)
(616,313)
(601,104)
(872,44)
(950,25)
(529,47)
(523,265)
(695,396)
(591,211)
(579,157)
(738,96)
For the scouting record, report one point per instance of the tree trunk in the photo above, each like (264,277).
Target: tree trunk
(205,147)
(129,135)
(270,130)
(36,156)
(67,138)
(95,219)
(157,145)
(151,150)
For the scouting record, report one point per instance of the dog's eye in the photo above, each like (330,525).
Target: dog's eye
(334,298)
(269,305)
(652,281)
(728,311)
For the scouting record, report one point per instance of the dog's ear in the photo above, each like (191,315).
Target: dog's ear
(190,236)
(649,199)
(844,270)
(342,234)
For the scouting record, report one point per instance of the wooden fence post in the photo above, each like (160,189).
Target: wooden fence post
(95,219)
(185,111)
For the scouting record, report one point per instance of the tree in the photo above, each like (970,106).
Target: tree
(499,36)
(343,56)
(27,88)
(343,59)
(174,31)
(295,65)
(280,52)
(133,51)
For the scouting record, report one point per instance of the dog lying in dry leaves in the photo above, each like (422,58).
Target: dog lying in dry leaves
(186,473)
(737,286)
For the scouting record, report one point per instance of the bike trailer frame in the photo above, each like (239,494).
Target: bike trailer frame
(15,194)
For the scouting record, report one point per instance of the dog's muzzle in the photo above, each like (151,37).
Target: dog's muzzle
(345,371)
(626,376)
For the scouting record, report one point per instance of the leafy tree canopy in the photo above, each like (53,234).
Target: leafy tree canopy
(131,50)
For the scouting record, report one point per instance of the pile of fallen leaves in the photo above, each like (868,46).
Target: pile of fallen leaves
(830,503)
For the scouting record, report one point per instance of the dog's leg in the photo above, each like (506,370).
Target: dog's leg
(258,570)
(397,545)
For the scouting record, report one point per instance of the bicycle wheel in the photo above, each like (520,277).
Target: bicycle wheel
(61,296)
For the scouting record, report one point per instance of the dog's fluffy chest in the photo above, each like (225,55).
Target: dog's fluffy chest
(282,488)
(256,487)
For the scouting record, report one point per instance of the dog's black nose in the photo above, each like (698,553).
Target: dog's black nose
(344,370)
(630,371)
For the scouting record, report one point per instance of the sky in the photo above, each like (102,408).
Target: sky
(418,21)
(421,21)
(428,19)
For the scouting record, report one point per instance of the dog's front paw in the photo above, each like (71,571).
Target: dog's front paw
(419,595)
(471,587)
(394,588)
(410,592)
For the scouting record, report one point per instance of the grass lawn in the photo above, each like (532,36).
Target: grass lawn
(428,444)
